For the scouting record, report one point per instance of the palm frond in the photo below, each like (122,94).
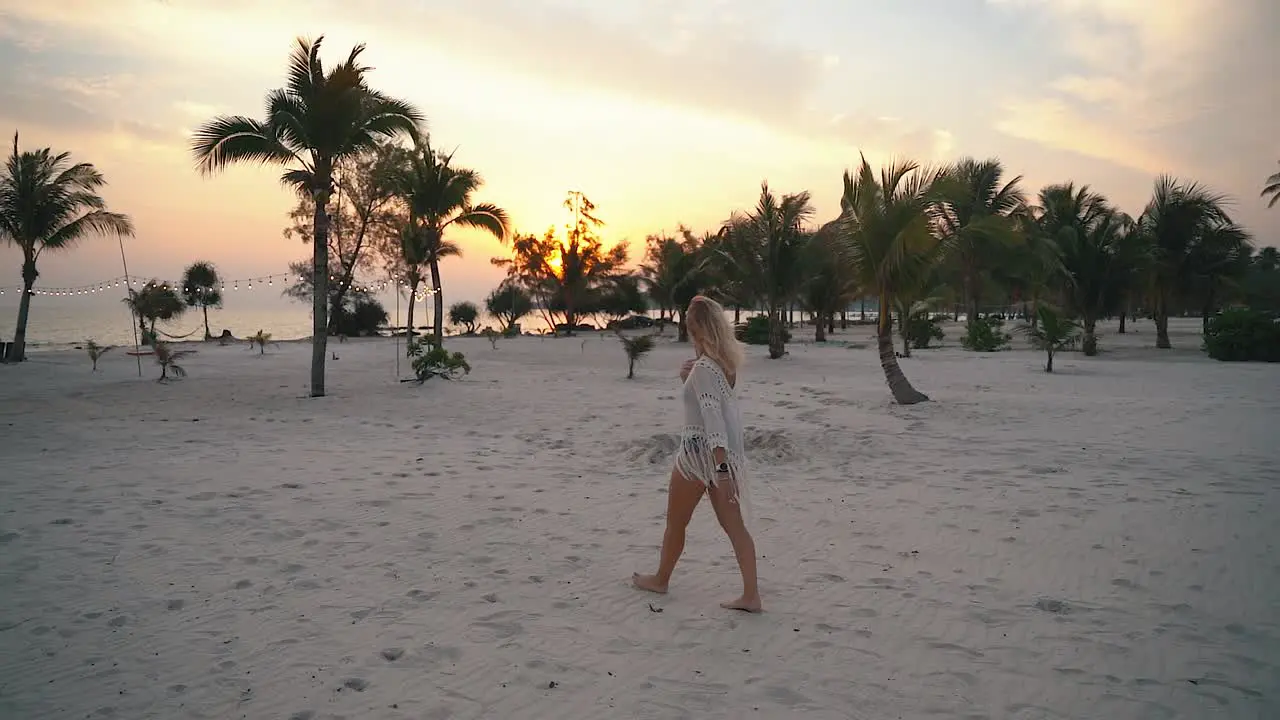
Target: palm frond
(99,222)
(229,139)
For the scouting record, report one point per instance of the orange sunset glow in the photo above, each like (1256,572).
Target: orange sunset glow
(663,113)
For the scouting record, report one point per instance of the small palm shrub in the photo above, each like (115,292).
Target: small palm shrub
(260,339)
(492,336)
(1243,334)
(1053,333)
(986,334)
(635,348)
(430,361)
(755,331)
(167,358)
(96,351)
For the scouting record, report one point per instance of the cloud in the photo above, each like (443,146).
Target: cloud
(700,55)
(1141,78)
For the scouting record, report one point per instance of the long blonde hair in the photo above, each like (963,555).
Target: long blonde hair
(713,335)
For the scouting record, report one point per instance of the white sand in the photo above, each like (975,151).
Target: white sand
(1098,543)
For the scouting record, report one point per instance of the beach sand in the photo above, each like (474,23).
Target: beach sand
(1097,543)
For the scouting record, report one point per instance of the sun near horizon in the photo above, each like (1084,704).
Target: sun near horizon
(662,113)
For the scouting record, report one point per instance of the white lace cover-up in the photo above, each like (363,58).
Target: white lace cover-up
(712,420)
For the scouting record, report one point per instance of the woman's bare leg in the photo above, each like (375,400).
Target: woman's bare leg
(729,514)
(682,499)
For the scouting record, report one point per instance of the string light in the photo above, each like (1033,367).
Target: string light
(261,280)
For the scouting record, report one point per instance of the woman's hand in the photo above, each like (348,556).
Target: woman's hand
(686,368)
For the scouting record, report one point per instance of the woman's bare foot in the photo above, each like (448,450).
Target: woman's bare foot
(649,582)
(745,604)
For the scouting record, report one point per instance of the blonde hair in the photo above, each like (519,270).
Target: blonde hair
(714,335)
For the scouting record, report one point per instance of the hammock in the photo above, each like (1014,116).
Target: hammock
(180,337)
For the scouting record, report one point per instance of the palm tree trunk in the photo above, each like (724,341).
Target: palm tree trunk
(737,314)
(776,345)
(413,300)
(438,297)
(320,284)
(1048,366)
(207,335)
(1161,314)
(844,319)
(819,328)
(864,309)
(831,322)
(1123,315)
(902,331)
(682,333)
(972,310)
(902,391)
(18,352)
(1090,341)
(1210,301)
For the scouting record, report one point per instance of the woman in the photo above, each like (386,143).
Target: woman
(711,459)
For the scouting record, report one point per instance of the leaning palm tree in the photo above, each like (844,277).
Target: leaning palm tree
(977,216)
(765,249)
(1174,222)
(200,288)
(47,203)
(1272,188)
(439,196)
(316,121)
(886,226)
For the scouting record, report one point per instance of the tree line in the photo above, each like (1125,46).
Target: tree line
(375,196)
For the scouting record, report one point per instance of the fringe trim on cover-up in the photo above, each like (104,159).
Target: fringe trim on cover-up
(696,461)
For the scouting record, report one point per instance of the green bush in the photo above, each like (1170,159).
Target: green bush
(361,319)
(923,329)
(985,334)
(755,331)
(429,362)
(1243,334)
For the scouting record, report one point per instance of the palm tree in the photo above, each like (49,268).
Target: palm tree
(1098,249)
(200,289)
(674,271)
(312,124)
(155,301)
(439,196)
(1175,221)
(1272,188)
(831,283)
(47,203)
(1054,333)
(766,250)
(976,217)
(1220,258)
(887,230)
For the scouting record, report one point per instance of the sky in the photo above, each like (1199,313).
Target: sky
(661,112)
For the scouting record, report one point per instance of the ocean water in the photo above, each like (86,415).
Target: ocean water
(61,322)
